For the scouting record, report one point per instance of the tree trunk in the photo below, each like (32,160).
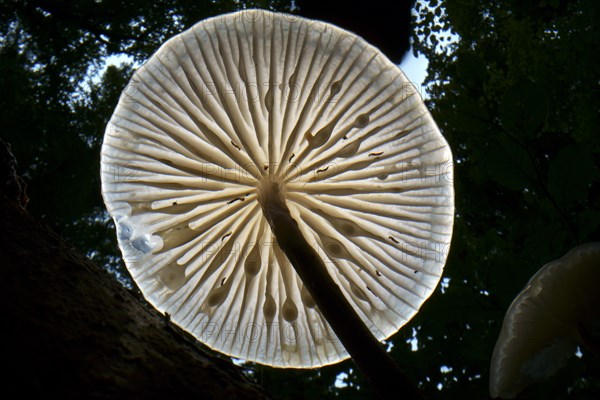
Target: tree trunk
(71,330)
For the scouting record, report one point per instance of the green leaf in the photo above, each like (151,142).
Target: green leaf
(509,164)
(465,114)
(571,174)
(471,68)
(524,108)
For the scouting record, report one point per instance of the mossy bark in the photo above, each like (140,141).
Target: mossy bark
(71,330)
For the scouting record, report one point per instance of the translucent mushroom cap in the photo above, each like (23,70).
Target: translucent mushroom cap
(255,95)
(541,329)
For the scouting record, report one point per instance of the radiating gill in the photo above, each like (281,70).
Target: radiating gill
(172,276)
(253,261)
(289,311)
(269,308)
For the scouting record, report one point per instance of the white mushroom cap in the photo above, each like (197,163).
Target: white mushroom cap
(541,329)
(256,95)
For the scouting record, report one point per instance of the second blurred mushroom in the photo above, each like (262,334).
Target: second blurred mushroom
(557,310)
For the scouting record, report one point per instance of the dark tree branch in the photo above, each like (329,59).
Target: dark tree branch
(385,376)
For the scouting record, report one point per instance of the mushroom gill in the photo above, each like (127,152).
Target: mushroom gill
(251,99)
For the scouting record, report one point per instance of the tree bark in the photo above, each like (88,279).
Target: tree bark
(71,330)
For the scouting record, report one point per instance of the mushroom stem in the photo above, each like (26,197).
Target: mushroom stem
(385,376)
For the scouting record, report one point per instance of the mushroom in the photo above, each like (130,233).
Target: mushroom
(254,128)
(557,310)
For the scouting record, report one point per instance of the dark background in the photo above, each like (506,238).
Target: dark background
(514,89)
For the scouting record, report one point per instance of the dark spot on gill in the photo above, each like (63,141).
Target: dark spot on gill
(236,199)
(269,99)
(174,203)
(265,167)
(292,157)
(371,290)
(226,236)
(165,161)
(293,77)
(223,281)
(361,121)
(375,154)
(322,136)
(400,134)
(235,145)
(393,239)
(377,273)
(335,88)
(323,169)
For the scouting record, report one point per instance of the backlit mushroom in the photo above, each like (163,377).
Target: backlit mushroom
(557,310)
(236,120)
